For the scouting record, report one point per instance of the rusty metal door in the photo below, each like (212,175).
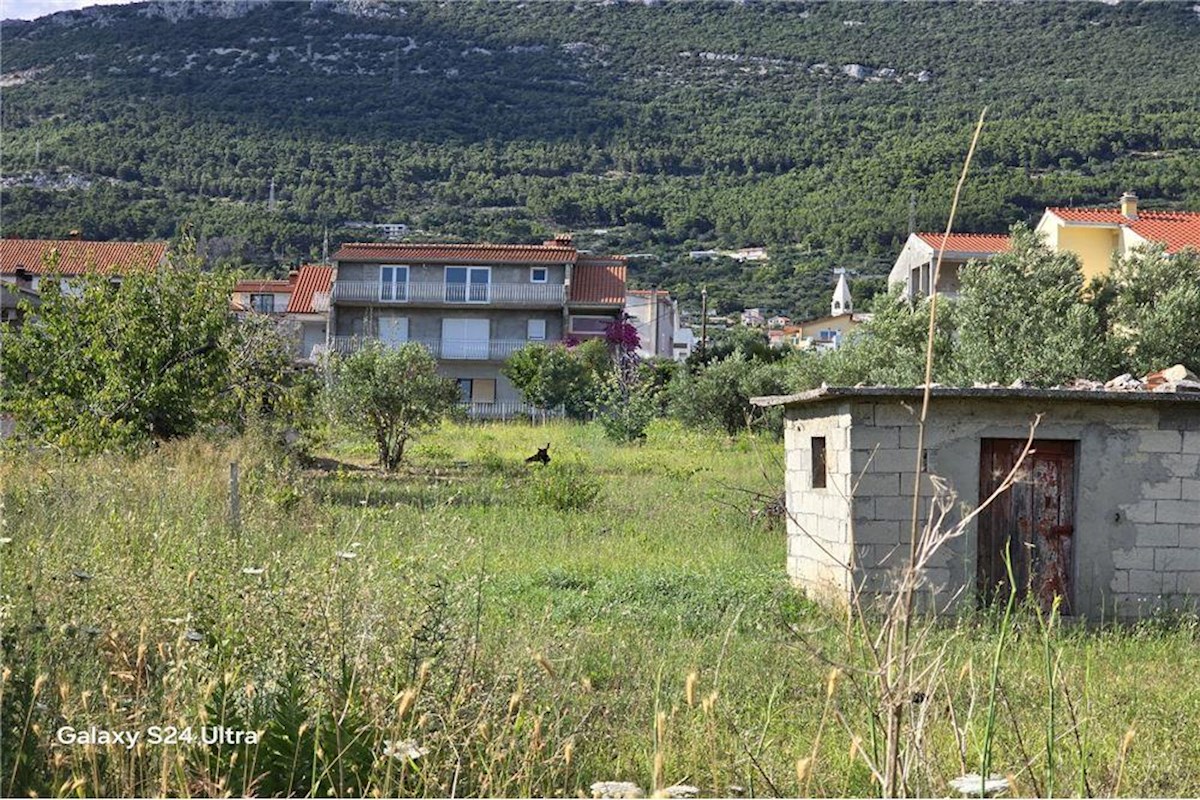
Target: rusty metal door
(1033,520)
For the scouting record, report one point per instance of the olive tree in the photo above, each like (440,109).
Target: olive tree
(391,394)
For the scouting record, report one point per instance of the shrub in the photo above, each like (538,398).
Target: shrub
(718,395)
(564,487)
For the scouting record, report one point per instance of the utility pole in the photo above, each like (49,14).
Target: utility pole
(912,213)
(271,197)
(325,247)
(703,321)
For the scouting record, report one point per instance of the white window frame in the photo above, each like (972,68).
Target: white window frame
(253,307)
(533,274)
(394,291)
(529,328)
(468,293)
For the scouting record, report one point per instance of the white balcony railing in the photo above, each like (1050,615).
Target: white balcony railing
(448,349)
(519,294)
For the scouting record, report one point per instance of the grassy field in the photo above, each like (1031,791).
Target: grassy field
(476,626)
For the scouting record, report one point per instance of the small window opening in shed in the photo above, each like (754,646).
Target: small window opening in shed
(818,462)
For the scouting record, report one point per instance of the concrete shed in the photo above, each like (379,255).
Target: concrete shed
(1105,513)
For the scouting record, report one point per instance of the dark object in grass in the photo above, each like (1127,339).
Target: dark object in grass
(918,698)
(542,456)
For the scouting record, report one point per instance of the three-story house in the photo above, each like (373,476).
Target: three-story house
(473,305)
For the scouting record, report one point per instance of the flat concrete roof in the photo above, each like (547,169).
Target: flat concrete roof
(826,393)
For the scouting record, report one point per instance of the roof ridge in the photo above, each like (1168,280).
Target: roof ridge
(477,245)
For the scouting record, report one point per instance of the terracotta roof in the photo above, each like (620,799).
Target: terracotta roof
(598,281)
(968,242)
(1175,229)
(458,253)
(313,279)
(77,256)
(279,286)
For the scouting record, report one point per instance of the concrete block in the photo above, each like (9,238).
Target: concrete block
(895,508)
(894,460)
(887,484)
(1161,442)
(1140,512)
(1191,441)
(1145,582)
(869,438)
(1134,558)
(894,414)
(1189,535)
(1184,511)
(1170,489)
(1158,535)
(1177,559)
(1189,489)
(1187,582)
(877,532)
(864,508)
(1182,465)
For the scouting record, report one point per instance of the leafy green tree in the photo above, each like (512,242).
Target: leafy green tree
(1154,318)
(718,395)
(625,406)
(1022,316)
(101,365)
(889,350)
(265,382)
(391,394)
(548,376)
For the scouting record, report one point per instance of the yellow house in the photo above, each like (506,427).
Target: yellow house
(828,332)
(1098,235)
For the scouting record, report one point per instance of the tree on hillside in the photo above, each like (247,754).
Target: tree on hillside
(1022,315)
(391,394)
(103,365)
(1154,317)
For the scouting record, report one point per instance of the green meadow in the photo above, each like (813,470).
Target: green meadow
(473,625)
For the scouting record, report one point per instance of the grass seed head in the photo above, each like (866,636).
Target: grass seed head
(802,769)
(835,675)
(544,663)
(689,688)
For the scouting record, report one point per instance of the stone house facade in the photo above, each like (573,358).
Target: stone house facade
(1105,513)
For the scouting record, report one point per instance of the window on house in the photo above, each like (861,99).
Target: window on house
(468,284)
(539,275)
(590,325)
(818,462)
(263,303)
(536,330)
(393,283)
(477,391)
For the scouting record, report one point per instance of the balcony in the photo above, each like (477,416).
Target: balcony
(447,349)
(522,295)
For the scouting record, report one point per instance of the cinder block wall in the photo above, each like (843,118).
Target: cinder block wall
(819,551)
(1137,495)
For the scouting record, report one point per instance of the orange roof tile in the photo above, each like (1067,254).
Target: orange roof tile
(77,256)
(968,242)
(279,286)
(457,253)
(598,281)
(313,279)
(1175,229)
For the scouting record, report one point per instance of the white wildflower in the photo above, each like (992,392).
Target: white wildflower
(347,555)
(5,540)
(403,750)
(616,789)
(972,785)
(253,570)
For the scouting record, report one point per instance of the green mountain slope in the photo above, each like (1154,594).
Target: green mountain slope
(804,127)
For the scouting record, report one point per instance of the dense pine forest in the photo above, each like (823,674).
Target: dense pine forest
(819,131)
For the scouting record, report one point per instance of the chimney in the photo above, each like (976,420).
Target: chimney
(1129,205)
(559,240)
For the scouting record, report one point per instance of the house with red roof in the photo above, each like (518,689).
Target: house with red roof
(1099,235)
(914,267)
(300,302)
(26,263)
(473,305)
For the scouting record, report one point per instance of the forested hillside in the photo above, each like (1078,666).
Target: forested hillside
(646,128)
